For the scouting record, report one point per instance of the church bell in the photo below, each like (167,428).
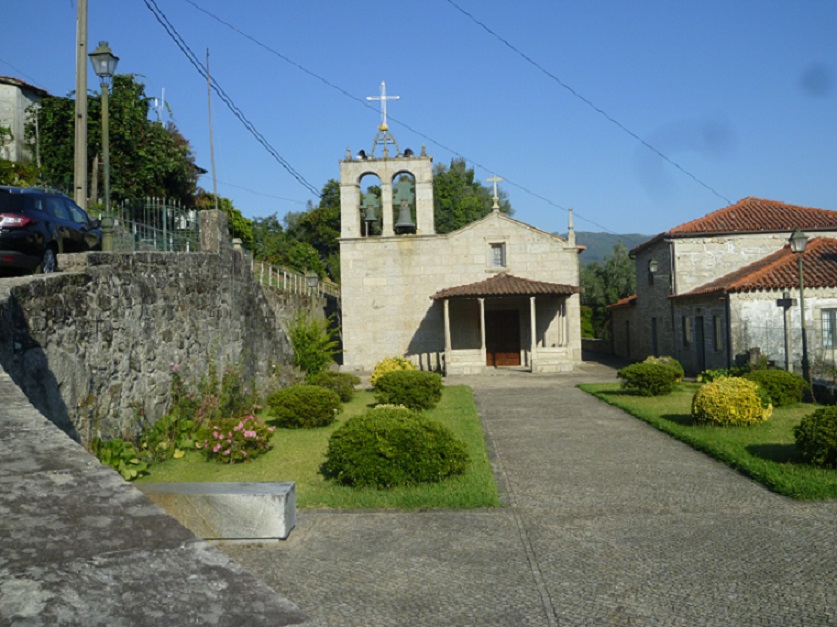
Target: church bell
(405,223)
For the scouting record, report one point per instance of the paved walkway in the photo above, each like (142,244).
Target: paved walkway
(608,522)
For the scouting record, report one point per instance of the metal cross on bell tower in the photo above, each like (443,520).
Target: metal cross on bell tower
(384,136)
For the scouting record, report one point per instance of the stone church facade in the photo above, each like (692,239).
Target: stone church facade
(495,293)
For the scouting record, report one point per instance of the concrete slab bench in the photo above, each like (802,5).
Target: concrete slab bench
(228,511)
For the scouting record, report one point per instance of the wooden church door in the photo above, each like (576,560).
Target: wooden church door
(502,338)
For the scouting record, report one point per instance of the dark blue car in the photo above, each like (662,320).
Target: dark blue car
(38,223)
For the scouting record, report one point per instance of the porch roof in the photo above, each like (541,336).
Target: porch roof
(505,284)
(779,270)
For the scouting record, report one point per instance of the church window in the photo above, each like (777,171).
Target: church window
(718,334)
(687,330)
(498,255)
(829,324)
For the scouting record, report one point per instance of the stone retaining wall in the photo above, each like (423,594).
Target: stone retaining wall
(92,346)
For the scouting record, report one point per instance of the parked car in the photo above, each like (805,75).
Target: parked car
(37,223)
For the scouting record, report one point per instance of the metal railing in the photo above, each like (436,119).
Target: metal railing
(153,224)
(291,281)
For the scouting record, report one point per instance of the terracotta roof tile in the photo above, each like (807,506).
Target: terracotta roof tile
(505,284)
(780,270)
(628,301)
(753,215)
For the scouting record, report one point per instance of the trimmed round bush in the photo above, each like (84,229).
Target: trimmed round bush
(671,362)
(730,401)
(303,407)
(341,383)
(390,364)
(390,447)
(783,387)
(414,389)
(648,379)
(816,437)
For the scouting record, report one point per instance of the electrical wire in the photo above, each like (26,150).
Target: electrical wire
(225,98)
(586,101)
(390,118)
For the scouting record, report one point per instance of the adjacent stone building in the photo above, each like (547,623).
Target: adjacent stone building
(496,293)
(16,97)
(726,285)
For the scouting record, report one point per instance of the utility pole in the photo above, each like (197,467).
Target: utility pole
(80,169)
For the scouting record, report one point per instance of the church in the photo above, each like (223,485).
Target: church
(496,293)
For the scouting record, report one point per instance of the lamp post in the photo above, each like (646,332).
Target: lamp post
(104,64)
(798,242)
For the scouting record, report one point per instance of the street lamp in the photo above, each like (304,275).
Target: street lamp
(104,64)
(798,242)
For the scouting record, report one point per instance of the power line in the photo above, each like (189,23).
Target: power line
(225,98)
(585,100)
(363,102)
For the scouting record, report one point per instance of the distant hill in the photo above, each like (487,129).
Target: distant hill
(599,245)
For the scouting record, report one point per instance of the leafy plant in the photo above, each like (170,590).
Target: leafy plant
(648,379)
(730,401)
(816,437)
(235,440)
(303,407)
(169,437)
(313,345)
(384,448)
(782,387)
(120,455)
(389,364)
(341,383)
(414,389)
(671,362)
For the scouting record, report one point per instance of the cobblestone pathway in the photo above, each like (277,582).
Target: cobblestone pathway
(607,522)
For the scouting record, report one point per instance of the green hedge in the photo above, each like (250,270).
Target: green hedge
(783,387)
(303,407)
(341,383)
(415,389)
(816,437)
(648,379)
(389,447)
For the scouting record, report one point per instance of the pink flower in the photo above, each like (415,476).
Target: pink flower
(216,448)
(227,452)
(215,434)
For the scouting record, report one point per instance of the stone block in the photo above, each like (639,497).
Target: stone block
(229,511)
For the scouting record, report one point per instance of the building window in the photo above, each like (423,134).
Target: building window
(829,324)
(687,330)
(717,334)
(654,345)
(498,255)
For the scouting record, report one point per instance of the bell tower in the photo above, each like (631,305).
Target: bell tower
(358,217)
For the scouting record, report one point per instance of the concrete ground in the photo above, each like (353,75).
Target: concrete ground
(607,522)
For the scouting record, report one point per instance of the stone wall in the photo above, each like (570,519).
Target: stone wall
(91,346)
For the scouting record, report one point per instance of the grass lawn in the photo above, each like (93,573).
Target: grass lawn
(765,452)
(298,453)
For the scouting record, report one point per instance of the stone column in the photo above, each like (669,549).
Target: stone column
(215,236)
(533,336)
(482,330)
(386,209)
(447,332)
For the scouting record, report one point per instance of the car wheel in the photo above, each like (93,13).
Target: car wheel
(49,264)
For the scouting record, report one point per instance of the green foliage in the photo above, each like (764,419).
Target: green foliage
(168,438)
(341,383)
(816,437)
(120,455)
(587,328)
(313,344)
(235,440)
(414,389)
(389,364)
(303,407)
(730,401)
(147,158)
(782,387)
(711,375)
(384,448)
(605,283)
(459,198)
(18,174)
(648,379)
(671,362)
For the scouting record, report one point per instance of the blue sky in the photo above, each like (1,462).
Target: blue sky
(740,94)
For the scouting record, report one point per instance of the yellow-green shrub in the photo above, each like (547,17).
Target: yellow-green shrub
(730,401)
(390,364)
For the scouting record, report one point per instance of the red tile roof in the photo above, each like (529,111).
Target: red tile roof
(505,284)
(753,215)
(628,301)
(780,270)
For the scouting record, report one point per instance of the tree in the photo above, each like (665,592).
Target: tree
(237,224)
(146,158)
(319,227)
(459,199)
(15,173)
(605,283)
